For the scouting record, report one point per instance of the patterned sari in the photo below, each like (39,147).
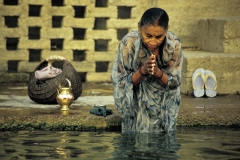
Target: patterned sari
(147,107)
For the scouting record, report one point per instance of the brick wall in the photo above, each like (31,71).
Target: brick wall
(85,32)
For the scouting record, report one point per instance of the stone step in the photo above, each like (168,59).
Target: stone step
(220,35)
(225,66)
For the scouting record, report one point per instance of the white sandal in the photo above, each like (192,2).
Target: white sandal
(210,83)
(198,82)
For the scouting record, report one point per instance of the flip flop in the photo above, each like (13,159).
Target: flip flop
(198,82)
(210,83)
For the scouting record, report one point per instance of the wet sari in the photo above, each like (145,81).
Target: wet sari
(148,106)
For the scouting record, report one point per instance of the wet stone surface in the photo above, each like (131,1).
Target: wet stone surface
(18,112)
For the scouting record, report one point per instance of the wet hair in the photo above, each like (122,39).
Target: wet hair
(156,17)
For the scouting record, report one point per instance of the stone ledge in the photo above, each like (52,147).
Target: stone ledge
(18,112)
(79,119)
(59,122)
(80,123)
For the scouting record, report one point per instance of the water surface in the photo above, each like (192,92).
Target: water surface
(186,143)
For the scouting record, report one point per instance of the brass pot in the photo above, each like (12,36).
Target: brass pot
(65,97)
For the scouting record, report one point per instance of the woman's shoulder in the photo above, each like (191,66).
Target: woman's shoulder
(172,42)
(172,37)
(130,37)
(172,48)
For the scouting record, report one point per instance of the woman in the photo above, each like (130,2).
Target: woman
(146,76)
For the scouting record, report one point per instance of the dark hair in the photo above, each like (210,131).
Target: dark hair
(155,16)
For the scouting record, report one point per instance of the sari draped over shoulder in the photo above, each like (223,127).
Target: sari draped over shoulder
(147,107)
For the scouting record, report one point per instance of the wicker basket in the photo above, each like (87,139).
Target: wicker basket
(45,91)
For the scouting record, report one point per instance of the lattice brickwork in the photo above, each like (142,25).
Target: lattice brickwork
(85,32)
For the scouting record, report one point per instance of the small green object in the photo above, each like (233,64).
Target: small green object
(101,111)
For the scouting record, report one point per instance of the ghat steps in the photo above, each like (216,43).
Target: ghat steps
(219,42)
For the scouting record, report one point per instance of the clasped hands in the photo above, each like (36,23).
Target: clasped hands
(150,67)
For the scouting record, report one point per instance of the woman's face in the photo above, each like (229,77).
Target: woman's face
(152,36)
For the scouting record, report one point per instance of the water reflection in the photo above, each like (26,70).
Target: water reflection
(185,144)
(147,146)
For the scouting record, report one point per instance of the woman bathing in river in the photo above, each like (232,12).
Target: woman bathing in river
(146,76)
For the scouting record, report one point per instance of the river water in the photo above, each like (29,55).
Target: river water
(187,143)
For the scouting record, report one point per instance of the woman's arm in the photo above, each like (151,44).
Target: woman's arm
(138,76)
(161,77)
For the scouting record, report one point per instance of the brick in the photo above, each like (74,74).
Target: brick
(36,21)
(67,54)
(78,22)
(34,44)
(123,3)
(65,33)
(12,32)
(122,23)
(79,44)
(85,66)
(34,2)
(10,10)
(113,45)
(59,11)
(2,24)
(27,67)
(2,43)
(101,34)
(100,56)
(78,2)
(13,55)
(98,77)
(3,66)
(102,12)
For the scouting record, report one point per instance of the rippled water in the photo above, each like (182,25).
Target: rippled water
(187,143)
